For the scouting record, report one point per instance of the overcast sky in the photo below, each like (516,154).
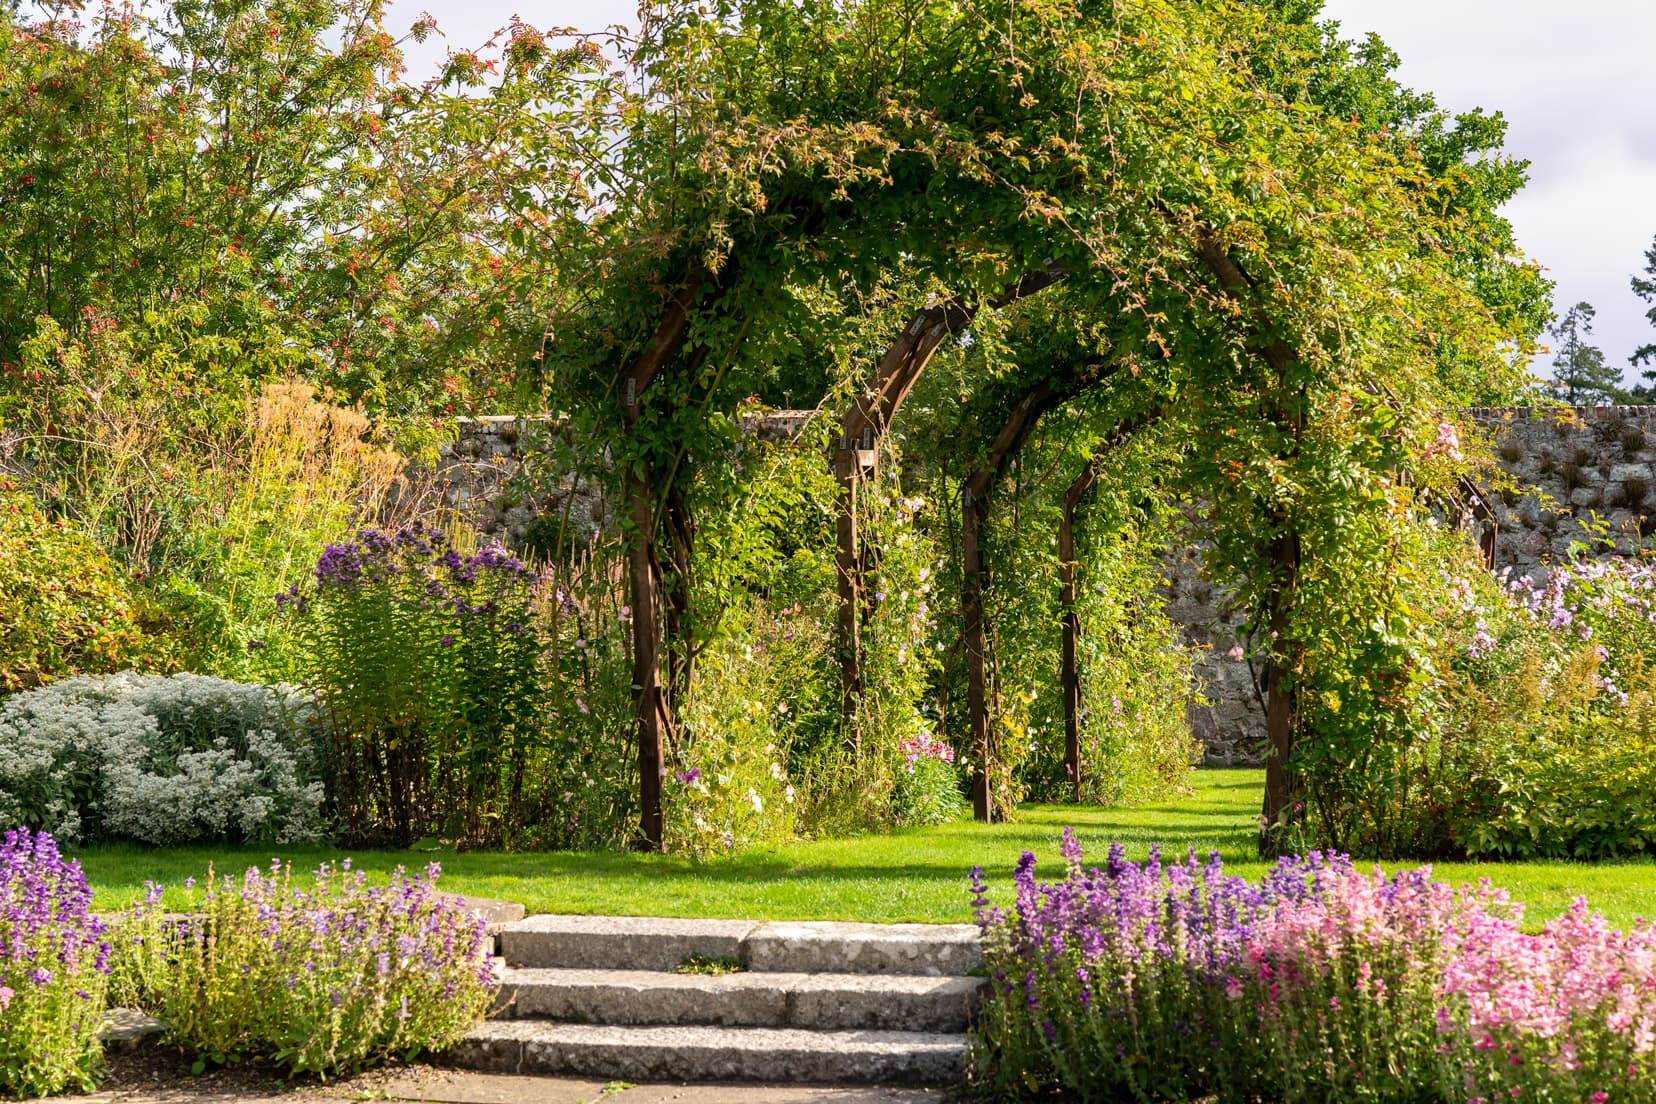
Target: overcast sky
(1572,79)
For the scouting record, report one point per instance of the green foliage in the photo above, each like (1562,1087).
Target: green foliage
(926,785)
(764,707)
(1644,286)
(208,202)
(588,780)
(65,607)
(427,664)
(1302,258)
(1567,786)
(900,658)
(1138,684)
(1136,676)
(709,965)
(1530,734)
(1267,244)
(1550,756)
(269,162)
(216,495)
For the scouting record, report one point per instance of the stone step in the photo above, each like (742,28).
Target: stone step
(812,1001)
(713,1053)
(810,947)
(619,942)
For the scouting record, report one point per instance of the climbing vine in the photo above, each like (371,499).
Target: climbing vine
(1048,276)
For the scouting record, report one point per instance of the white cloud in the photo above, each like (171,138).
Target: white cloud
(1571,79)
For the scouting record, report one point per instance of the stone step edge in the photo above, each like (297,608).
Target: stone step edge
(684,1054)
(745,999)
(795,946)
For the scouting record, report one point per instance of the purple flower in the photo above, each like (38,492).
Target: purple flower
(45,911)
(340,566)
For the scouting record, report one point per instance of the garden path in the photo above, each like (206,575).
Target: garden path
(433,1086)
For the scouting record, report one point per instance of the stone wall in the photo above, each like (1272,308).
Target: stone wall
(478,470)
(1557,471)
(1231,723)
(1570,478)
(478,473)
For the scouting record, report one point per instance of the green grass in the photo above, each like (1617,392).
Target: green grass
(914,875)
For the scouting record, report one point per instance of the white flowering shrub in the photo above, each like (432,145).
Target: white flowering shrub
(162,760)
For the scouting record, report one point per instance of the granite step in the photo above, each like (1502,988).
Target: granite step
(651,943)
(815,1001)
(704,1053)
(932,950)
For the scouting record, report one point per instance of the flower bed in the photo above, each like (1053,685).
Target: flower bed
(318,976)
(315,975)
(1320,982)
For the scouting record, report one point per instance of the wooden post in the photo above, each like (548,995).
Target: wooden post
(643,567)
(1279,685)
(974,495)
(1070,674)
(1285,552)
(971,604)
(868,419)
(848,573)
(644,580)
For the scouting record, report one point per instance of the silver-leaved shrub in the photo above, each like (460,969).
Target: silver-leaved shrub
(161,759)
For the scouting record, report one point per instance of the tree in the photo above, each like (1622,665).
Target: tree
(267,163)
(1645,288)
(1581,377)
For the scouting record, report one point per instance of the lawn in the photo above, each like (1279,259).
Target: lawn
(914,875)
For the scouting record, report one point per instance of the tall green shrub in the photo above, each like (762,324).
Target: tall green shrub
(427,663)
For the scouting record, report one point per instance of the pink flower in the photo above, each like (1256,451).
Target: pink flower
(6,995)
(1447,443)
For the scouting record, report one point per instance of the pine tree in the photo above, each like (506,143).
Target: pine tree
(1581,377)
(1645,288)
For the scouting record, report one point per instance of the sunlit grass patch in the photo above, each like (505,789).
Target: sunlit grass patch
(916,874)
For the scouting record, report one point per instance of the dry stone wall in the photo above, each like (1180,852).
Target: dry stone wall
(1583,476)
(491,474)
(484,473)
